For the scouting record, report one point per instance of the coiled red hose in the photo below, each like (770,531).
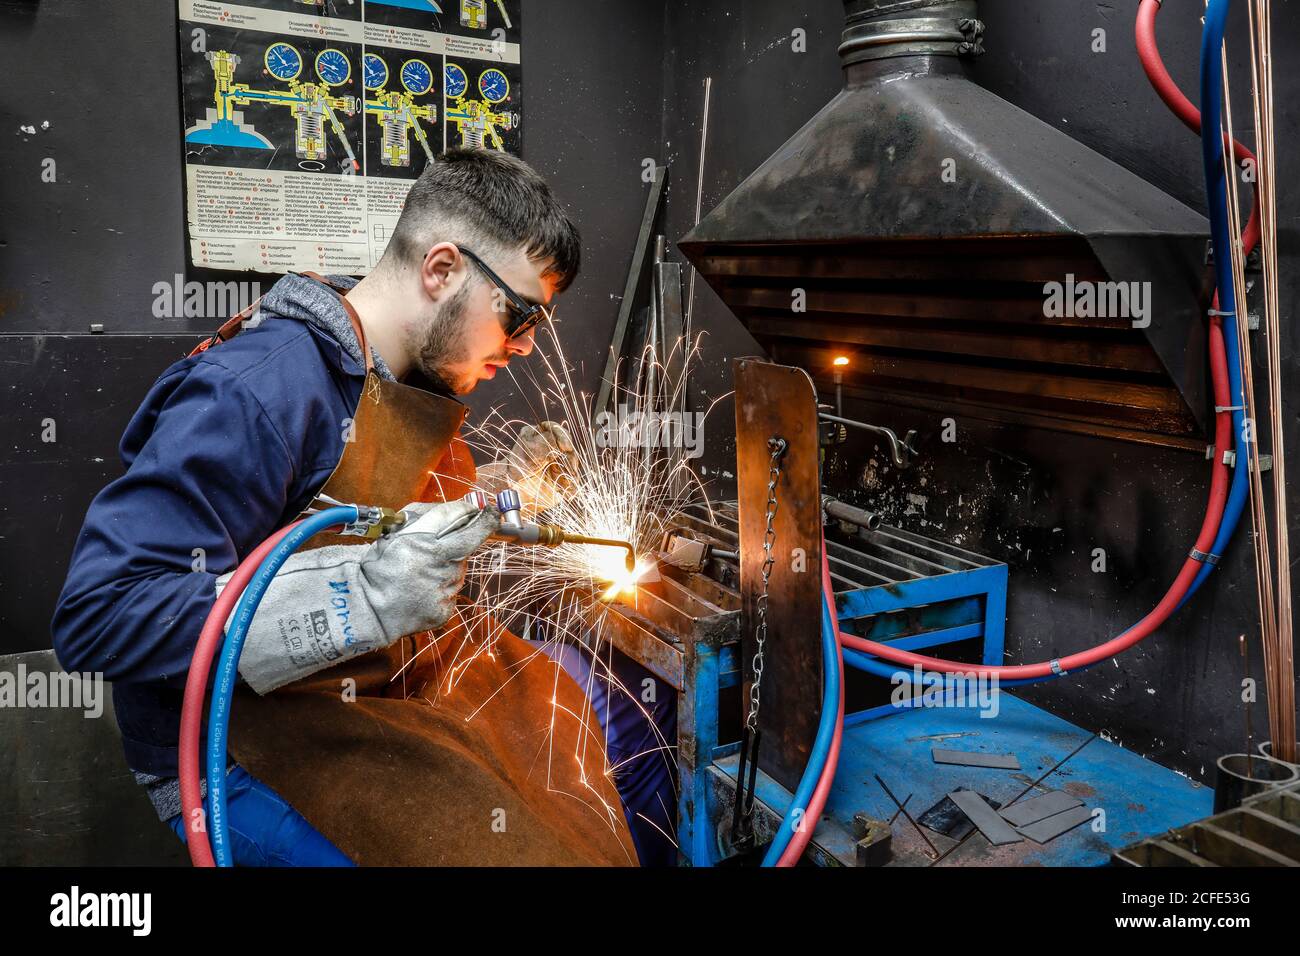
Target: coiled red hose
(196,687)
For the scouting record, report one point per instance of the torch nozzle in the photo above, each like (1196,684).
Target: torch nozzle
(518,531)
(629,561)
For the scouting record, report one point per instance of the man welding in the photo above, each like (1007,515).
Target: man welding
(404,733)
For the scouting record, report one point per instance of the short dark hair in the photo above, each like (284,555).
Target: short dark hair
(484,197)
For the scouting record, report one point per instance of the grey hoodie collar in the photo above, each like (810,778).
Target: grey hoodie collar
(297,297)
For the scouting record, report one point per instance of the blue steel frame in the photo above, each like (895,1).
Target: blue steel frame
(947,608)
(940,599)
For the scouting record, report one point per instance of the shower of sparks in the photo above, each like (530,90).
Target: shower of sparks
(624,484)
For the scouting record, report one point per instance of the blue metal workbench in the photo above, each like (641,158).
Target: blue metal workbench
(1138,797)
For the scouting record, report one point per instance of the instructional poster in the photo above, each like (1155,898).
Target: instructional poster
(307,121)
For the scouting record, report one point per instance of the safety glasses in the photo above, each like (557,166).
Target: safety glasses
(522,314)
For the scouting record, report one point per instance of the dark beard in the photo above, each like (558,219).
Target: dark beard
(444,342)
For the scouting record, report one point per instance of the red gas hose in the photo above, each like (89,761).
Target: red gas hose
(1181,106)
(817,803)
(196,686)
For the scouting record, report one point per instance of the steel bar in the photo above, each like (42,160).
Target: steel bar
(903,810)
(699,200)
(901,449)
(635,276)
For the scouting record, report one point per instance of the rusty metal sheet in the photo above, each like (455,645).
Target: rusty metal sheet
(778,401)
(635,636)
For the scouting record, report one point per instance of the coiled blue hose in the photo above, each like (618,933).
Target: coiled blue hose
(228,667)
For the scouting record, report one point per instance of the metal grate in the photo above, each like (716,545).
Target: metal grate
(864,559)
(1263,831)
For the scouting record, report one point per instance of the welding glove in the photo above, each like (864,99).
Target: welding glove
(542,466)
(330,604)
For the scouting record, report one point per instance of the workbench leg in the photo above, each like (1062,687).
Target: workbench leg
(995,615)
(697,736)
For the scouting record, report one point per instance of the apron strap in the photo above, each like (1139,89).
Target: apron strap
(235,323)
(352,317)
(229,329)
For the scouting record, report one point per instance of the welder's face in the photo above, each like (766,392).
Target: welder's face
(465,339)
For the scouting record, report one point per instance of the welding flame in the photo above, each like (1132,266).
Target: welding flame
(621,580)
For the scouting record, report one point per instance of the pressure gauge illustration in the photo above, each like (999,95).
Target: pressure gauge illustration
(374,72)
(283,62)
(455,80)
(494,86)
(333,67)
(417,77)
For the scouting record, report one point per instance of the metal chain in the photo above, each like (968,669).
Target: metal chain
(778,446)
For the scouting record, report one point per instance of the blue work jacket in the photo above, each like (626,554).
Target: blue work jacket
(227,447)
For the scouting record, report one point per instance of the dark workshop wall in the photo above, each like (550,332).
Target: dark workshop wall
(763,91)
(1041,501)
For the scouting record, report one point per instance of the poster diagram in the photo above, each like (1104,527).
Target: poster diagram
(307,121)
(401,109)
(297,104)
(479,111)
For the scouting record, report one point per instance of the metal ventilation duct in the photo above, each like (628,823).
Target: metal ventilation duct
(919,220)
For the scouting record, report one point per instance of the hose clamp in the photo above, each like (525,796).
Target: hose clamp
(1057,669)
(1205,557)
(1219,313)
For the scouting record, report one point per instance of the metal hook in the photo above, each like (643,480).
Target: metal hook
(903,450)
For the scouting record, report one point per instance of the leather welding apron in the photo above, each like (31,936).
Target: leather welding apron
(461,747)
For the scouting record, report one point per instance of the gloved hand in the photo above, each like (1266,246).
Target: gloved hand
(331,604)
(542,466)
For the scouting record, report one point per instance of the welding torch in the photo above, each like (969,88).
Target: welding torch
(535,533)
